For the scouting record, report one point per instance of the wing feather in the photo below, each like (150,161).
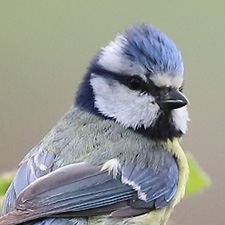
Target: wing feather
(84,190)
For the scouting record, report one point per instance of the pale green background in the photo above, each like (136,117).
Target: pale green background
(45,47)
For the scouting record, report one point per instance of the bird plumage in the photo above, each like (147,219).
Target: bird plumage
(114,157)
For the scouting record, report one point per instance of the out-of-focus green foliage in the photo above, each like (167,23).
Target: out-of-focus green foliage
(5,181)
(198,179)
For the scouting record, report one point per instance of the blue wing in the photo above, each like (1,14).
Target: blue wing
(37,166)
(156,189)
(83,190)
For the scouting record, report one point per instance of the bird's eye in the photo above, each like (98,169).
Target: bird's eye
(135,83)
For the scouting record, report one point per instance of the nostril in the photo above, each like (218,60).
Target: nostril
(165,92)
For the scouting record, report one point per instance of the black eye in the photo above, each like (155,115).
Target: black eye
(135,83)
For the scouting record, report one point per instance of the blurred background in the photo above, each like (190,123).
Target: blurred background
(45,47)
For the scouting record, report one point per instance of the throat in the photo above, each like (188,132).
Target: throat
(162,128)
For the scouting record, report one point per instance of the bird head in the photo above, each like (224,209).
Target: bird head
(137,81)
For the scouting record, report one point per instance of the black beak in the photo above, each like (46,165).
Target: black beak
(173,99)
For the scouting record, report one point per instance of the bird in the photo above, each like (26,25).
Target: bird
(115,157)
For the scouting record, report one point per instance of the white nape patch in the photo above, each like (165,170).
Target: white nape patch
(128,107)
(167,80)
(113,59)
(180,118)
(113,166)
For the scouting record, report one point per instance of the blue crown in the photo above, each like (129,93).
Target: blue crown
(152,49)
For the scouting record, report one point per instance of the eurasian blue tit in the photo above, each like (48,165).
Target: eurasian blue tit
(114,158)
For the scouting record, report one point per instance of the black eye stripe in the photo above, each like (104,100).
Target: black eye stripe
(146,87)
(122,78)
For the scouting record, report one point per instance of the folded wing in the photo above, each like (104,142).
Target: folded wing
(84,190)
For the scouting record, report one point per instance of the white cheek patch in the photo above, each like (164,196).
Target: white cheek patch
(180,118)
(128,108)
(161,80)
(113,59)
